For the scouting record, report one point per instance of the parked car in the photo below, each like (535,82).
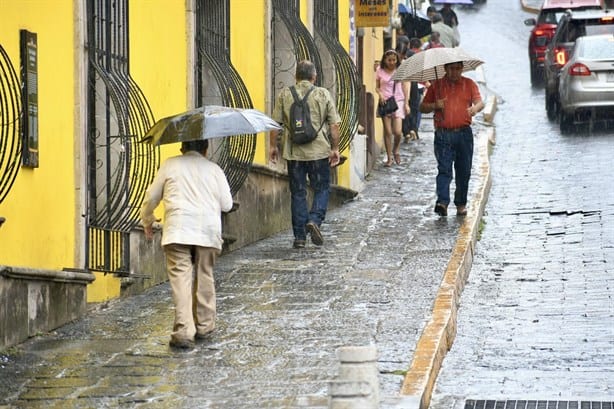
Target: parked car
(573,24)
(543,30)
(586,86)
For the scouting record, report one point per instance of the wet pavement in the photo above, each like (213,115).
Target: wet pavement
(282,313)
(536,318)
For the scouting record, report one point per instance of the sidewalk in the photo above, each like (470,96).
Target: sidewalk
(282,313)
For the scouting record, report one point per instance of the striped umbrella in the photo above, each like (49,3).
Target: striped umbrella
(429,64)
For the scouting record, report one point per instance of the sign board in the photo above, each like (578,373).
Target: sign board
(29,94)
(372,13)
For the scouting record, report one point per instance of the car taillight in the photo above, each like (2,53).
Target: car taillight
(579,70)
(606,20)
(560,56)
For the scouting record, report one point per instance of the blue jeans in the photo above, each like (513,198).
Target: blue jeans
(319,179)
(453,148)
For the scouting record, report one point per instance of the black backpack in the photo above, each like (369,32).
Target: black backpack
(301,128)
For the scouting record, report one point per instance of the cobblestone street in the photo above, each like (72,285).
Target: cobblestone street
(282,314)
(536,319)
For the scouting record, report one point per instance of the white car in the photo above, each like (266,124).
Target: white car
(586,84)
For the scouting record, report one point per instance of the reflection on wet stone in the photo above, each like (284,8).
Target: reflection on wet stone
(282,313)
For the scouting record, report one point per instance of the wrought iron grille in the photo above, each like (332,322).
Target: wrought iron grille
(336,70)
(119,167)
(219,83)
(340,75)
(292,42)
(10,116)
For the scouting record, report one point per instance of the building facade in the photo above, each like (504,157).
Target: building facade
(81,81)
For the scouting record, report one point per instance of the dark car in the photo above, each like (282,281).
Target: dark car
(573,24)
(586,88)
(544,27)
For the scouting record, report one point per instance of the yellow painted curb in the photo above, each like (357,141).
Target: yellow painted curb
(439,333)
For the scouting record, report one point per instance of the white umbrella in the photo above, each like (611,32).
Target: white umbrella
(429,64)
(207,122)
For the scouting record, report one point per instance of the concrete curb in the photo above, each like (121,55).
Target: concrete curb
(439,333)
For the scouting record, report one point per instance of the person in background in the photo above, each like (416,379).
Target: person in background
(400,32)
(415,44)
(411,122)
(434,41)
(386,88)
(313,159)
(455,99)
(430,11)
(449,16)
(446,33)
(450,19)
(402,46)
(195,192)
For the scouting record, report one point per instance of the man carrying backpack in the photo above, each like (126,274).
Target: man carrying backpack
(310,145)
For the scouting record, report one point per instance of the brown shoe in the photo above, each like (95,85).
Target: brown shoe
(203,336)
(441,209)
(461,210)
(316,235)
(181,343)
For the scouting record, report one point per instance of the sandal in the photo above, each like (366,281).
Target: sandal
(397,158)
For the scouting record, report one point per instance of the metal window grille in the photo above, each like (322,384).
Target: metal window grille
(219,83)
(119,167)
(336,71)
(340,75)
(10,116)
(292,42)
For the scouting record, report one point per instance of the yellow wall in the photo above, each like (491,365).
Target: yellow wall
(158,54)
(158,58)
(248,54)
(104,287)
(40,208)
(343,172)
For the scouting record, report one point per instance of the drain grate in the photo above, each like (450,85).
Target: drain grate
(536,404)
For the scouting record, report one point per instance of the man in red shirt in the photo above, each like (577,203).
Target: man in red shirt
(455,100)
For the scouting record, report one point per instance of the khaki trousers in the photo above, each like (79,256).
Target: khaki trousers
(193,288)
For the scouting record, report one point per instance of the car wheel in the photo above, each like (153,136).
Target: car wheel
(551,107)
(566,122)
(537,76)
